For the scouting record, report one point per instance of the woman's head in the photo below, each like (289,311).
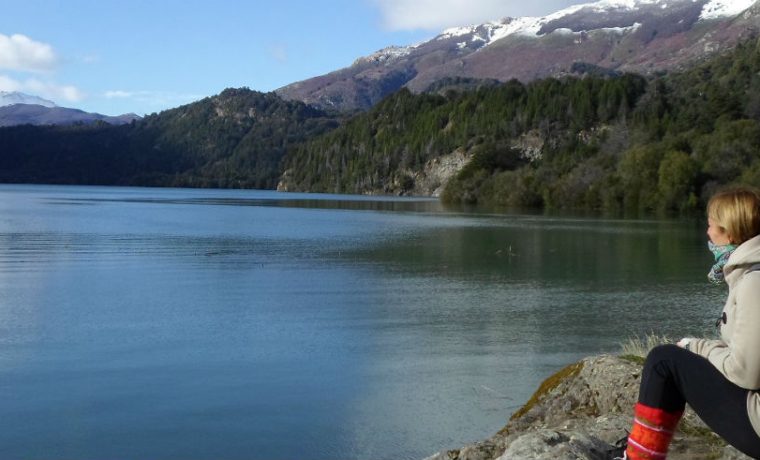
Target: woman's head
(734,215)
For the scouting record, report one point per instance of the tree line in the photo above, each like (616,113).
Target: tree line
(607,142)
(600,141)
(236,139)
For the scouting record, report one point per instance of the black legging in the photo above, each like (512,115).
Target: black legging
(673,376)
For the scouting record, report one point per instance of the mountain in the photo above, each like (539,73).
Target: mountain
(23,109)
(615,143)
(640,36)
(234,139)
(602,139)
(32,114)
(14,97)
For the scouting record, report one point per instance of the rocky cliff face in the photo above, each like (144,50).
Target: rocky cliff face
(579,413)
(642,36)
(428,181)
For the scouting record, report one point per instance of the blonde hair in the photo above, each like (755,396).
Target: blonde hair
(737,211)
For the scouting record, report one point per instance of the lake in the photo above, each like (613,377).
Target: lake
(141,323)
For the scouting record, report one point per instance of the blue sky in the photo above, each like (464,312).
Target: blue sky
(144,56)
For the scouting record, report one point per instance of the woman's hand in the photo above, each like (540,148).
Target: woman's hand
(684,342)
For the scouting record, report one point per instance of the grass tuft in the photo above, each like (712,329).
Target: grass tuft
(637,347)
(634,359)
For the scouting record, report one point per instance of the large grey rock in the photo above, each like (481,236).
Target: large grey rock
(551,445)
(579,413)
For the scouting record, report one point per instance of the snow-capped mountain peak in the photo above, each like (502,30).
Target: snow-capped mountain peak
(534,26)
(604,36)
(14,97)
(482,35)
(722,8)
(385,54)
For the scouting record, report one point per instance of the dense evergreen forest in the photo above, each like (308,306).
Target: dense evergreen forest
(236,139)
(607,142)
(610,143)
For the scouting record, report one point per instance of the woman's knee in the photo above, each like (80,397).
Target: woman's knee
(664,357)
(660,385)
(664,352)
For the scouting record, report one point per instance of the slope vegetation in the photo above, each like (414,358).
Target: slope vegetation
(606,143)
(235,139)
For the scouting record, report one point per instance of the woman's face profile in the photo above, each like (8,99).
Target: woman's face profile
(717,234)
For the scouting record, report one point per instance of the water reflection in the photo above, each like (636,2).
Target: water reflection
(225,324)
(310,202)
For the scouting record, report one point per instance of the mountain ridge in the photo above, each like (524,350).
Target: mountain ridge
(33,114)
(641,36)
(606,141)
(18,108)
(612,143)
(234,139)
(15,97)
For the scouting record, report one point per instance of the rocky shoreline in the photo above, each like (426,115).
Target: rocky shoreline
(579,413)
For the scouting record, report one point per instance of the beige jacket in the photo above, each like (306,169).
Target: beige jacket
(737,354)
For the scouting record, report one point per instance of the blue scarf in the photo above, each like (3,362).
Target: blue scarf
(721,253)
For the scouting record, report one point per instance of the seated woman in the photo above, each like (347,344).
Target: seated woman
(718,378)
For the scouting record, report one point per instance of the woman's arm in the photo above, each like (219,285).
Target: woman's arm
(739,361)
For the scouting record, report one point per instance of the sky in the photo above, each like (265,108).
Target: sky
(145,56)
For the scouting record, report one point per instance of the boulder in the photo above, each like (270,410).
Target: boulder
(580,412)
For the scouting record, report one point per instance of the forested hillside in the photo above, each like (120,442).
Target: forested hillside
(609,142)
(235,139)
(385,146)
(596,142)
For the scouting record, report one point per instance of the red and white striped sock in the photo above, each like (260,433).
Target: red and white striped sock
(652,432)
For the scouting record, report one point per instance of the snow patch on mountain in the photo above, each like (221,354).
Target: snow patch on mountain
(495,30)
(14,97)
(480,36)
(606,5)
(387,54)
(456,32)
(531,26)
(620,30)
(716,9)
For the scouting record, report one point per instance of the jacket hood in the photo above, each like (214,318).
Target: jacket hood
(746,255)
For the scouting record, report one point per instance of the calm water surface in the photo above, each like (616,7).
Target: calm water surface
(194,324)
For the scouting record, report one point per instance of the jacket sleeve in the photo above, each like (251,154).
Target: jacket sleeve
(739,361)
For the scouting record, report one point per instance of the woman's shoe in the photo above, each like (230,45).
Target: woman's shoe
(618,452)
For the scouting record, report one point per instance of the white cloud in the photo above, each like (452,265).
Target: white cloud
(9,84)
(53,90)
(46,89)
(118,94)
(440,14)
(90,58)
(21,53)
(153,98)
(279,52)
